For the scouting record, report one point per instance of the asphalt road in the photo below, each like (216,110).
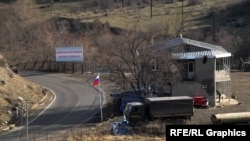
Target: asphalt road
(75,103)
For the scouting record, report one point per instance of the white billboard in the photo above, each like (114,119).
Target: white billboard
(69,54)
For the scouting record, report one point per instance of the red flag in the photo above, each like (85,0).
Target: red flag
(97,81)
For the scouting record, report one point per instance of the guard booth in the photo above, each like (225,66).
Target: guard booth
(206,68)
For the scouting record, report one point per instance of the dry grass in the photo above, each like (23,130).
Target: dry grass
(100,132)
(117,138)
(141,15)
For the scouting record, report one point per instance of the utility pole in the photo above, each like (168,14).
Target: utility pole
(214,36)
(27,116)
(182,14)
(151,5)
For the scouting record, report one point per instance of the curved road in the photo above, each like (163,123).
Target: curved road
(75,103)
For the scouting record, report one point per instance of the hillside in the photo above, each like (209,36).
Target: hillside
(12,88)
(198,19)
(81,23)
(224,22)
(193,13)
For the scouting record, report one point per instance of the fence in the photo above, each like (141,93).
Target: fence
(78,133)
(65,67)
(70,132)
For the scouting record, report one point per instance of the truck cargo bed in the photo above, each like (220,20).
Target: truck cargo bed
(177,106)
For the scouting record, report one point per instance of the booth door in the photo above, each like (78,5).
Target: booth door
(191,70)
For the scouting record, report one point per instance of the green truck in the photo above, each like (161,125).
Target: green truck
(161,110)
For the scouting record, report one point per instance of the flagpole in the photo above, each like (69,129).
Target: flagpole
(100,98)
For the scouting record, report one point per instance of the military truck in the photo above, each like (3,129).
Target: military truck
(160,110)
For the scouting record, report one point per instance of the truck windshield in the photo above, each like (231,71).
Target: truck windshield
(135,110)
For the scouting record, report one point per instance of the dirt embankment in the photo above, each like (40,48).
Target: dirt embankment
(15,93)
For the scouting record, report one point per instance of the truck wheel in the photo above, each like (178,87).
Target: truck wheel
(169,121)
(180,121)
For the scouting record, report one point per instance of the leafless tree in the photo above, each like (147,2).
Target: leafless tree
(18,22)
(138,64)
(178,21)
(28,35)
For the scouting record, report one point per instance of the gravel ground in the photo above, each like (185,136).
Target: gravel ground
(240,85)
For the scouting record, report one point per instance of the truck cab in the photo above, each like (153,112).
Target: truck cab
(134,111)
(129,97)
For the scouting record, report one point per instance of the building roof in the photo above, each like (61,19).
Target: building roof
(201,54)
(207,49)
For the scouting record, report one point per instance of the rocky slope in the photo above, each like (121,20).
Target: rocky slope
(14,92)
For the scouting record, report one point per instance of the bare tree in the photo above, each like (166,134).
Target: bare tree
(178,21)
(27,35)
(18,21)
(138,64)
